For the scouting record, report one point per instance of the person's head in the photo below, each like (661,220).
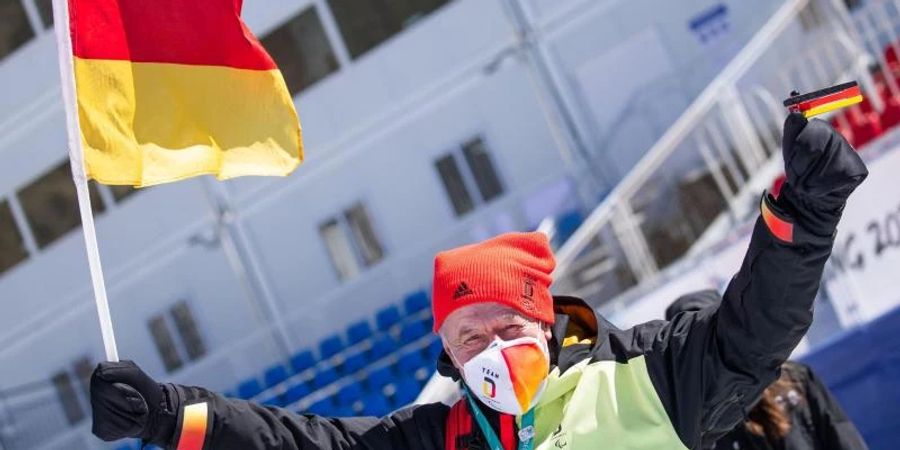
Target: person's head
(493,309)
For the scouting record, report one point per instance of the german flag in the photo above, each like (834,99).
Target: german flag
(825,100)
(170,89)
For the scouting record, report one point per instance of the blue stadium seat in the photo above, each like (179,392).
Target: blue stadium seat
(359,331)
(415,302)
(349,394)
(411,361)
(322,407)
(249,388)
(378,378)
(324,377)
(382,347)
(375,404)
(434,349)
(330,346)
(407,389)
(296,392)
(387,317)
(354,363)
(344,411)
(275,375)
(302,360)
(413,331)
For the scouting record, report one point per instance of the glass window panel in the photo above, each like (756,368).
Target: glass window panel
(363,234)
(12,249)
(45,9)
(365,24)
(165,345)
(340,249)
(14,27)
(482,169)
(301,50)
(120,193)
(187,329)
(51,205)
(454,185)
(84,367)
(68,398)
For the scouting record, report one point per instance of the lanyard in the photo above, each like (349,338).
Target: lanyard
(526,432)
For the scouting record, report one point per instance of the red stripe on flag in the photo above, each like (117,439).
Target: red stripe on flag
(196,32)
(847,93)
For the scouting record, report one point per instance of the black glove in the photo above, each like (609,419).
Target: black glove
(822,171)
(127,403)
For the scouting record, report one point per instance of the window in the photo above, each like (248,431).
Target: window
(164,342)
(363,234)
(68,397)
(84,367)
(454,185)
(475,180)
(45,9)
(365,24)
(15,30)
(12,250)
(51,205)
(351,241)
(187,330)
(301,50)
(119,193)
(482,169)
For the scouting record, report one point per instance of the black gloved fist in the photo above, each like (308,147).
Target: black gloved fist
(822,171)
(127,403)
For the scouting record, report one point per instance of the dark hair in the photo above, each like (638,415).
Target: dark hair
(771,417)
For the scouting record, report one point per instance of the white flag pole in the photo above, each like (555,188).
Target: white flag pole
(79,176)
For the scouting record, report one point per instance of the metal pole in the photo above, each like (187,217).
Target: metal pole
(245,263)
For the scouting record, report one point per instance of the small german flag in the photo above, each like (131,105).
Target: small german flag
(825,100)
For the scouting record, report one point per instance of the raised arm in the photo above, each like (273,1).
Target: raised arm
(709,366)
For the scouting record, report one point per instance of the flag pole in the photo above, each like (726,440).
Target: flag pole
(79,175)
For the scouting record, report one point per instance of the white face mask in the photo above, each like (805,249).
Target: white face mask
(509,376)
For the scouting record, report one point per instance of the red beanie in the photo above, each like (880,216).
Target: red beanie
(512,269)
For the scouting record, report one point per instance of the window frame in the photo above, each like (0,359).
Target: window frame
(467,174)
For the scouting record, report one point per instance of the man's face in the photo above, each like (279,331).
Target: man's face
(469,330)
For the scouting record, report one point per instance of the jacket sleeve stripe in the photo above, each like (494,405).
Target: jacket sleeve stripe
(779,227)
(194,424)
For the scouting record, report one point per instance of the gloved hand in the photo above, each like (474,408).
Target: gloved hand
(822,171)
(127,403)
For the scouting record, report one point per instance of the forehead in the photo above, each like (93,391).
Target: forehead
(481,315)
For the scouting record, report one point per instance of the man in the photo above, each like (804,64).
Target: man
(545,372)
(796,412)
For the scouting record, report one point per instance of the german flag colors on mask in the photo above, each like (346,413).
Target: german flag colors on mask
(170,89)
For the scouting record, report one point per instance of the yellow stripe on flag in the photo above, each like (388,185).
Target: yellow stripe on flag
(822,109)
(151,123)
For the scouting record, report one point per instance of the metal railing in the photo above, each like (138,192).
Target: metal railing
(701,169)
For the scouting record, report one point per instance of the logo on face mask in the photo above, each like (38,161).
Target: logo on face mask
(509,376)
(489,388)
